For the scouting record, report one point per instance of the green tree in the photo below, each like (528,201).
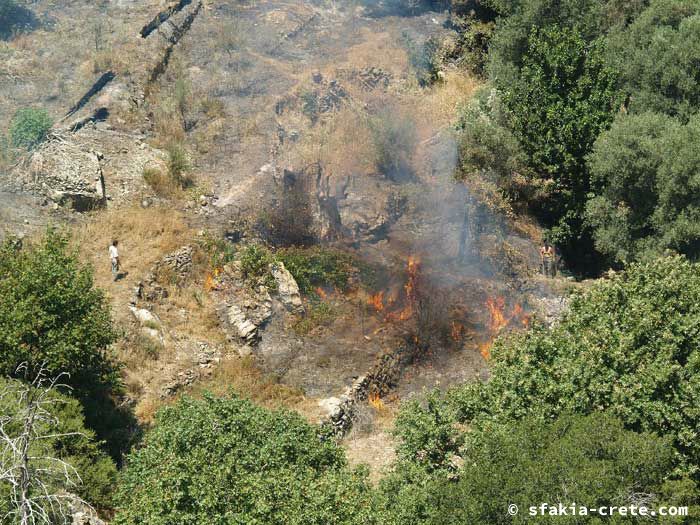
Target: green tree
(584,460)
(646,189)
(52,315)
(224,461)
(63,454)
(657,57)
(562,99)
(29,127)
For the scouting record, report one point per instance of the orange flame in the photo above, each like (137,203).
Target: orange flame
(496,311)
(457,331)
(321,293)
(485,349)
(412,270)
(377,301)
(375,400)
(500,320)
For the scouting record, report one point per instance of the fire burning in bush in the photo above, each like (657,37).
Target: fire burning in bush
(382,302)
(500,319)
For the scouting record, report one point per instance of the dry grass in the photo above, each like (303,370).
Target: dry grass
(438,105)
(145,235)
(342,145)
(378,49)
(241,375)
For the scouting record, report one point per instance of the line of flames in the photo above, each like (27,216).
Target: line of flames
(498,320)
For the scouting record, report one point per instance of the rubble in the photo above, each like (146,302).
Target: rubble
(177,266)
(180,381)
(369,78)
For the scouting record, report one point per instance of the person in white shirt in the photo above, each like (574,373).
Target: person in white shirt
(114,257)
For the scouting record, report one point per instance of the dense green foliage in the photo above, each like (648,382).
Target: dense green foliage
(657,58)
(528,462)
(317,266)
(52,315)
(67,440)
(310,267)
(255,264)
(29,127)
(644,171)
(563,72)
(224,461)
(629,345)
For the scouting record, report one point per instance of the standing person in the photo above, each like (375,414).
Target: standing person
(114,257)
(547,256)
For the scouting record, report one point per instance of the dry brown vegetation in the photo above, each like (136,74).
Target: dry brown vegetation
(144,234)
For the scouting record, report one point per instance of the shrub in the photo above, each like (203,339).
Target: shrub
(646,199)
(224,460)
(629,345)
(178,166)
(597,461)
(309,105)
(255,265)
(29,127)
(67,440)
(319,314)
(314,267)
(657,57)
(220,250)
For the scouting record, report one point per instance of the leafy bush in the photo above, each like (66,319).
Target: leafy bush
(314,267)
(319,314)
(489,149)
(527,462)
(657,57)
(563,97)
(255,265)
(646,196)
(629,345)
(220,251)
(68,440)
(29,127)
(52,314)
(178,166)
(224,460)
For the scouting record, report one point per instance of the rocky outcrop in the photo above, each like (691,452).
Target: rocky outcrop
(287,288)
(179,263)
(245,317)
(68,175)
